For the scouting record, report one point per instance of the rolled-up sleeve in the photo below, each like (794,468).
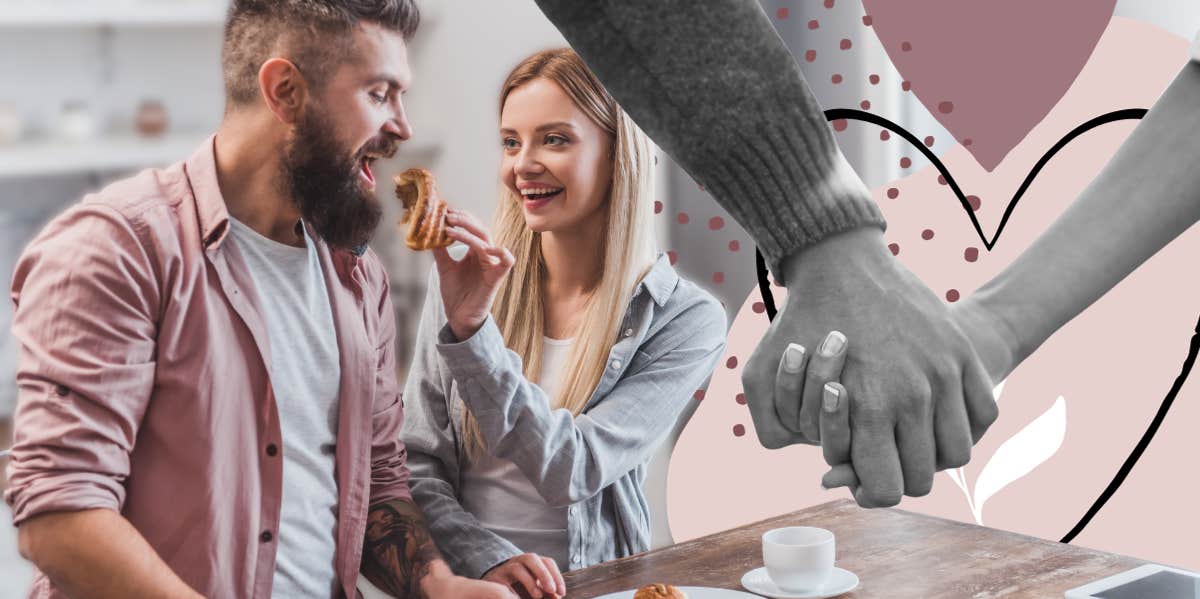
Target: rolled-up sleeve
(389,457)
(469,547)
(569,459)
(86,299)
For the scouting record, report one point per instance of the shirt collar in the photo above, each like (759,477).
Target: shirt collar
(660,281)
(210,204)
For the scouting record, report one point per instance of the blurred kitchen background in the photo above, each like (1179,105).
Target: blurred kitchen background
(94,90)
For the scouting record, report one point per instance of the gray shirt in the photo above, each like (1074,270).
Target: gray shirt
(304,377)
(672,335)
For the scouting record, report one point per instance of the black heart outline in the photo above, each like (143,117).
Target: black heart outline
(768,298)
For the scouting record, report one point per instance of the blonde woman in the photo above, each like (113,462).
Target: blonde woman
(555,357)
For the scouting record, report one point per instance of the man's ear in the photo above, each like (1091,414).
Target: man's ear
(283,88)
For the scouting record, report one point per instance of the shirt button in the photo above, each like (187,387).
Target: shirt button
(575,559)
(616,364)
(628,332)
(266,536)
(272,450)
(62,390)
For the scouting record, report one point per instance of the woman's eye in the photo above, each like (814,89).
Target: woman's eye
(509,143)
(555,140)
(378,98)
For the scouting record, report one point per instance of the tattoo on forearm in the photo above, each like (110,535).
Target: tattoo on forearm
(397,549)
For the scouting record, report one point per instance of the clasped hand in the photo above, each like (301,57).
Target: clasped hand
(895,393)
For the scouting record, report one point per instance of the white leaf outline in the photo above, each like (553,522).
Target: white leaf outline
(959,475)
(1021,453)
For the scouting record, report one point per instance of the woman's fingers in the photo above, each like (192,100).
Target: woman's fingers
(789,385)
(560,588)
(979,399)
(518,572)
(537,567)
(841,475)
(951,428)
(835,425)
(824,367)
(479,248)
(468,221)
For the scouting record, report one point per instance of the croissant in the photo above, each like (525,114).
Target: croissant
(659,591)
(424,210)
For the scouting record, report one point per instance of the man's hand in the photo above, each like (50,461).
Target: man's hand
(469,285)
(537,575)
(922,397)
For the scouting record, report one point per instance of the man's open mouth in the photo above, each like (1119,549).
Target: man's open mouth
(364,165)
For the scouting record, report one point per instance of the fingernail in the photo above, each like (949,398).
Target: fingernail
(832,397)
(793,358)
(834,342)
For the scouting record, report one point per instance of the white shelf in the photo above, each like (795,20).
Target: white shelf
(96,13)
(51,157)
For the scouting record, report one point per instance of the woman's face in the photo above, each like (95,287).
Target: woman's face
(555,159)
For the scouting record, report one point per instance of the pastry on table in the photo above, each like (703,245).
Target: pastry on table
(424,210)
(659,591)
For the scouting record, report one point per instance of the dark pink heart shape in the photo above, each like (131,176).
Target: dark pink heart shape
(989,71)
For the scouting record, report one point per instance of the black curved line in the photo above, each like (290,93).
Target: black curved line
(859,115)
(764,285)
(1193,349)
(834,114)
(1144,442)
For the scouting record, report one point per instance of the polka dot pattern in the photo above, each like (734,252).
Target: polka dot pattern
(731,363)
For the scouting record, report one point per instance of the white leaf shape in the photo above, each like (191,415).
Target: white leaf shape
(1020,454)
(997,390)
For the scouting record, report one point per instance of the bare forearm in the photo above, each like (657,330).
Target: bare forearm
(1146,196)
(97,553)
(399,555)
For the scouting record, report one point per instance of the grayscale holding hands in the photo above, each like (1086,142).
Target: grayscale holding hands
(908,394)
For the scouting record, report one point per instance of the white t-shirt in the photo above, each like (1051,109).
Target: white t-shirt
(305,375)
(501,497)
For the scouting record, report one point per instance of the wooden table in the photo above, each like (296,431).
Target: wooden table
(895,553)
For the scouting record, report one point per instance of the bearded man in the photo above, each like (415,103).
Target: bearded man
(207,395)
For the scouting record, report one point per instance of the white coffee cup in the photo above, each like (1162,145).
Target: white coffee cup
(798,558)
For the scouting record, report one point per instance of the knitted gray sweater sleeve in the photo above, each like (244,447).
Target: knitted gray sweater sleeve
(713,84)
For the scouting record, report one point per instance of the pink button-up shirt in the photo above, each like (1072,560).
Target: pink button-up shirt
(144,385)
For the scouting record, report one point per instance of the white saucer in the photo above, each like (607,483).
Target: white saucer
(758,581)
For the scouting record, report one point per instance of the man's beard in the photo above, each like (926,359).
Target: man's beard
(322,179)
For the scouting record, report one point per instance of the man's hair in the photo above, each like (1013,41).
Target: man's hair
(316,35)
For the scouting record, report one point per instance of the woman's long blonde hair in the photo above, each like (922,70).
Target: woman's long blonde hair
(628,253)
